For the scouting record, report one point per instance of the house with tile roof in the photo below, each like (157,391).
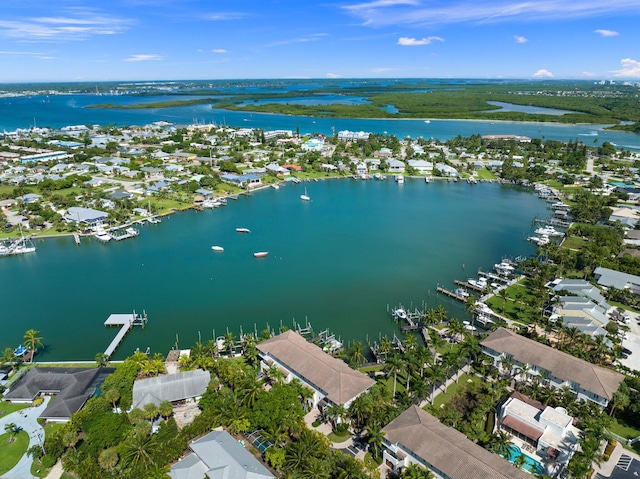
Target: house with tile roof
(587,381)
(331,379)
(417,437)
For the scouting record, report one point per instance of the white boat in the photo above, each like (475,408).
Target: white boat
(400,314)
(217,248)
(101,234)
(463,293)
(478,283)
(549,231)
(539,240)
(261,254)
(20,245)
(243,230)
(305,197)
(154,220)
(472,180)
(503,268)
(427,121)
(427,180)
(132,231)
(275,187)
(399,179)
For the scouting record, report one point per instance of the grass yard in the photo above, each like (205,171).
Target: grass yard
(485,174)
(10,454)
(445,397)
(8,408)
(623,430)
(574,243)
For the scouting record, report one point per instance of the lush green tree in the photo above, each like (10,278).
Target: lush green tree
(33,340)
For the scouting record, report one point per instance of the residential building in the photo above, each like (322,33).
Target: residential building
(612,278)
(332,381)
(72,388)
(187,385)
(219,456)
(86,216)
(417,437)
(555,368)
(549,431)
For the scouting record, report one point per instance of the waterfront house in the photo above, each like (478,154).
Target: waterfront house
(85,216)
(417,437)
(218,455)
(206,194)
(330,379)
(72,388)
(611,278)
(395,166)
(553,368)
(423,167)
(549,431)
(187,385)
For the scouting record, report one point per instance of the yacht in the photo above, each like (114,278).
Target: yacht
(217,248)
(504,268)
(305,197)
(243,230)
(399,179)
(463,293)
(478,283)
(261,254)
(539,240)
(549,231)
(101,234)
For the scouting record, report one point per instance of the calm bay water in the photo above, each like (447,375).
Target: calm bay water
(57,111)
(337,260)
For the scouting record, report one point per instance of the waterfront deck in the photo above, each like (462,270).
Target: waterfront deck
(126,322)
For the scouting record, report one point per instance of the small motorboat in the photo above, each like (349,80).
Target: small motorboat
(243,230)
(217,248)
(261,254)
(400,314)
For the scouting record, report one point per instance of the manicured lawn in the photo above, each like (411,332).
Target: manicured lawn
(622,429)
(10,454)
(369,369)
(333,437)
(445,397)
(8,408)
(574,242)
(485,174)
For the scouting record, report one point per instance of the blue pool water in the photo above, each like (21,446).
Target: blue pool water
(530,464)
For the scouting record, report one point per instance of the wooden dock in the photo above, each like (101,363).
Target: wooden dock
(468,285)
(451,294)
(126,322)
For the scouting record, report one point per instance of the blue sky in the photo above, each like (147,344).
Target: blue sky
(80,40)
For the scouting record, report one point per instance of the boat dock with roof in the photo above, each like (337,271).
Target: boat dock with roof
(126,322)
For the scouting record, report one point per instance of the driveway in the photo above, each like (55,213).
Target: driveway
(27,420)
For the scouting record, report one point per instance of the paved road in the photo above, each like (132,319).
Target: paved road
(27,420)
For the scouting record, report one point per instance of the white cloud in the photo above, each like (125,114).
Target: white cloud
(607,33)
(412,42)
(542,73)
(77,24)
(219,50)
(333,75)
(436,12)
(224,16)
(630,68)
(20,53)
(588,74)
(520,39)
(144,58)
(311,38)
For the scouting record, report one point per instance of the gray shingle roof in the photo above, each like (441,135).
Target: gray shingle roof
(73,386)
(170,387)
(338,381)
(447,449)
(590,377)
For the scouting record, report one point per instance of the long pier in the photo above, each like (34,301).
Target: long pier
(126,322)
(451,294)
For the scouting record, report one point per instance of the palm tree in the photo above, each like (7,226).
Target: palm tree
(111,395)
(499,443)
(393,366)
(229,342)
(12,429)
(165,408)
(375,437)
(8,357)
(150,411)
(356,357)
(32,341)
(102,360)
(157,471)
(416,471)
(108,458)
(135,451)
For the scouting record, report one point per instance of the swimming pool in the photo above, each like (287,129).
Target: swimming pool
(530,464)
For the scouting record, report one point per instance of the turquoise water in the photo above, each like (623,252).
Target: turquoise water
(337,260)
(530,464)
(62,110)
(505,107)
